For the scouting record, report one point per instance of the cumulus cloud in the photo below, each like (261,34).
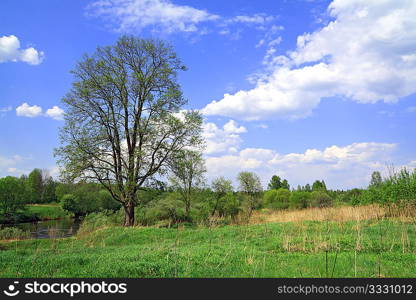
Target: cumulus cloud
(25,110)
(225,139)
(367,53)
(340,166)
(10,51)
(55,113)
(31,111)
(133,15)
(167,17)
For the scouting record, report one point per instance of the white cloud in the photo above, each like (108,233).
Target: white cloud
(365,54)
(55,113)
(252,19)
(411,109)
(232,127)
(25,110)
(10,51)
(167,17)
(225,139)
(134,15)
(341,167)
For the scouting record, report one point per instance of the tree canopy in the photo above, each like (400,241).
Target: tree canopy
(123,121)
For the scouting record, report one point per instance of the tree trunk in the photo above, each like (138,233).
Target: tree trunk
(129,214)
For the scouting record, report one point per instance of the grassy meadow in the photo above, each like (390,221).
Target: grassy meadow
(329,242)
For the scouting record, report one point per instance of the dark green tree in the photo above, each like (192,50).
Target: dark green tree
(11,190)
(275,183)
(35,185)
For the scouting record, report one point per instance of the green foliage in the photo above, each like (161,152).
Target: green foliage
(123,139)
(13,233)
(251,189)
(107,202)
(231,205)
(11,201)
(320,199)
(188,169)
(319,186)
(282,199)
(376,179)
(35,185)
(221,188)
(299,199)
(276,183)
(269,197)
(85,198)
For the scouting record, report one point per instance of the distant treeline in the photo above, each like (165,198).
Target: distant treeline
(172,204)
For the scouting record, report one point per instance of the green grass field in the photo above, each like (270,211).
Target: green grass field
(306,249)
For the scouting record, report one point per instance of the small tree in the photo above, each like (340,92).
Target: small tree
(188,171)
(275,183)
(376,179)
(250,186)
(319,186)
(221,188)
(35,185)
(299,199)
(320,199)
(285,184)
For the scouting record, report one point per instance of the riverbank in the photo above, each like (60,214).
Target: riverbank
(370,248)
(37,212)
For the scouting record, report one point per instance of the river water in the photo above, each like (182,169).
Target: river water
(49,229)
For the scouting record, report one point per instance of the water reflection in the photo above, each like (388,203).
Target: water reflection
(50,229)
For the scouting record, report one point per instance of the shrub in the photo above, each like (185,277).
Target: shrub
(320,199)
(97,220)
(299,199)
(11,233)
(269,197)
(281,199)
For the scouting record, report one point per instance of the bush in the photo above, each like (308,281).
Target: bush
(99,220)
(269,197)
(299,199)
(320,199)
(12,233)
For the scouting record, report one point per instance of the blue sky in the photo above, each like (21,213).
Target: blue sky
(303,89)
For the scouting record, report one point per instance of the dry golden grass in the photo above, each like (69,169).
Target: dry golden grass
(340,214)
